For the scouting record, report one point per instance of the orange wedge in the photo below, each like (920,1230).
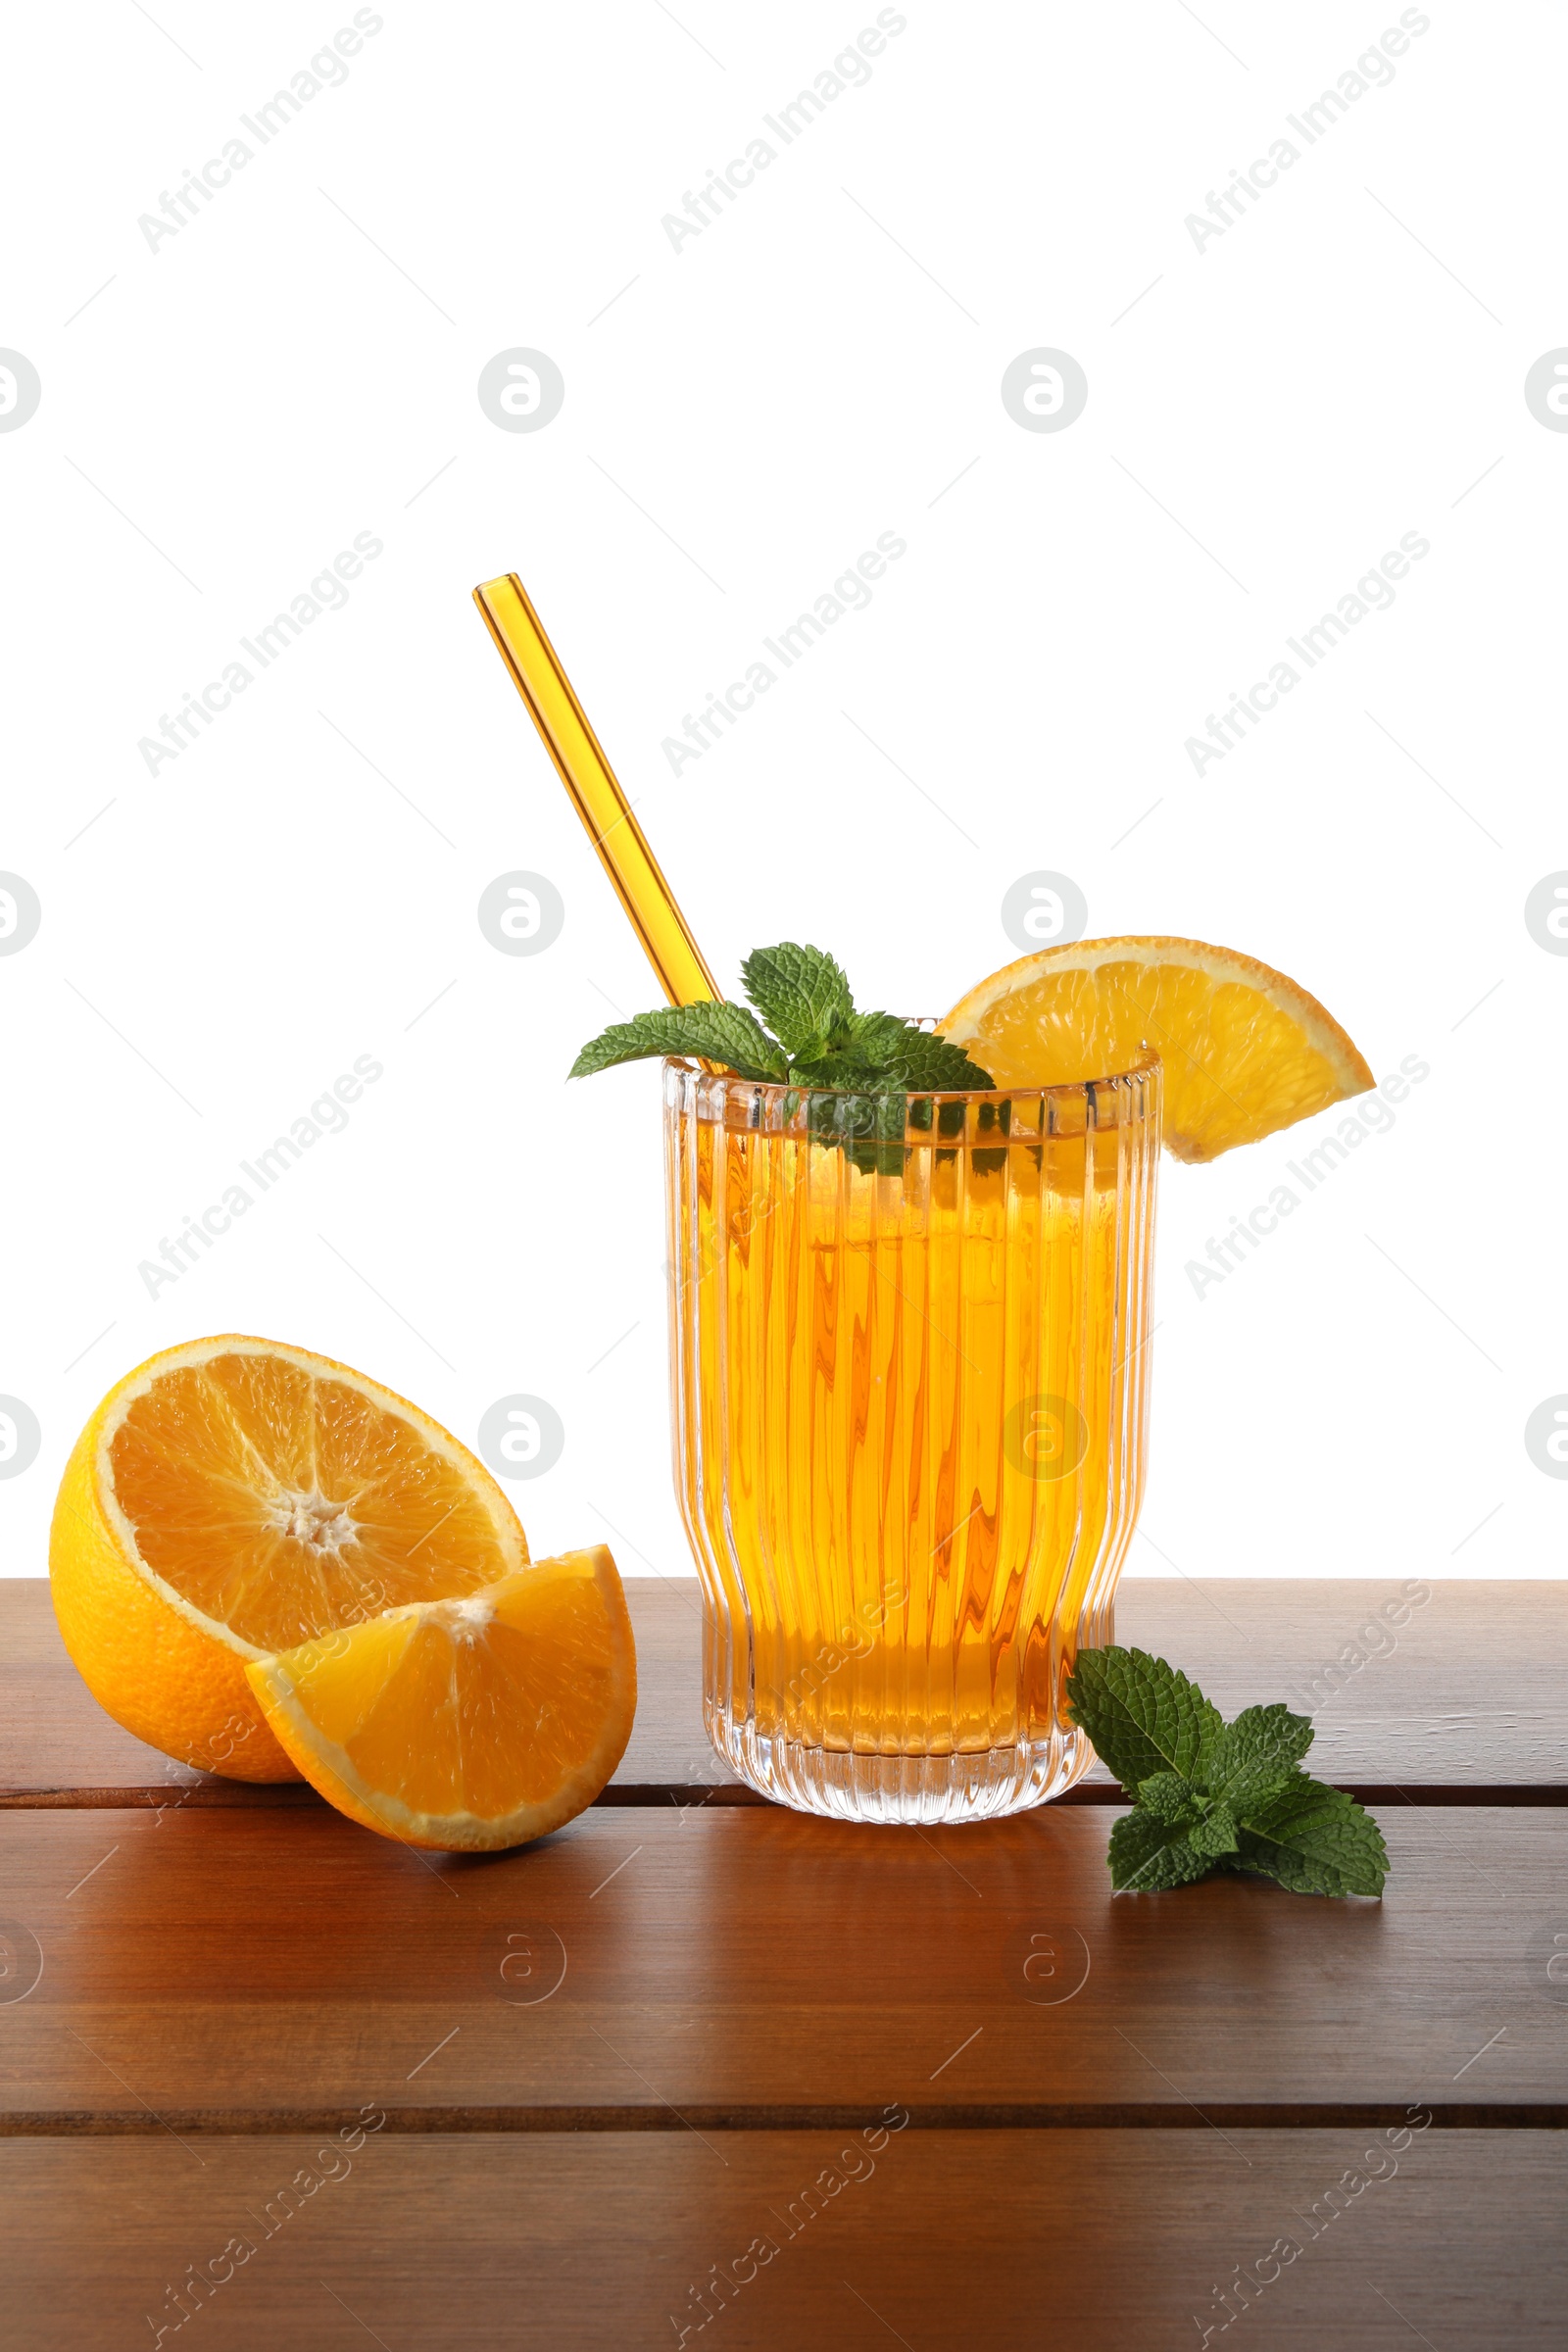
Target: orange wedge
(466,1724)
(234,1497)
(1245,1051)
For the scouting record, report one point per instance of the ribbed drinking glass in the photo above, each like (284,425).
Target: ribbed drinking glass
(909,1361)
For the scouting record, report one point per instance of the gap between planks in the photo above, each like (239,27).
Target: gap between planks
(237,1796)
(1126,2115)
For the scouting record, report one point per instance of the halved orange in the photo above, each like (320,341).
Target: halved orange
(1245,1051)
(466,1724)
(234,1497)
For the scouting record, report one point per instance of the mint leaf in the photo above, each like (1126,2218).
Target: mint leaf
(842,1071)
(1168,1797)
(725,1033)
(1256,1754)
(1210,1827)
(878,1053)
(1215,1834)
(1260,1857)
(801,993)
(1314,1840)
(875,1038)
(1148,1855)
(1142,1716)
(901,1053)
(927,1064)
(850,1120)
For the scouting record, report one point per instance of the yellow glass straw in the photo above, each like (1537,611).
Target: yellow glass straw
(596,794)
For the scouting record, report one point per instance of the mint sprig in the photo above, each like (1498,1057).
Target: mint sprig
(804,1030)
(1208,1794)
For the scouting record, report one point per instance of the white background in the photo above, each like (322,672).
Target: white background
(1265,417)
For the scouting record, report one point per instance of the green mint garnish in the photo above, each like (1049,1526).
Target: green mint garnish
(801,993)
(725,1032)
(1208,1794)
(808,1034)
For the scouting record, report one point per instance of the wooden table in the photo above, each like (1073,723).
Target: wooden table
(701,2071)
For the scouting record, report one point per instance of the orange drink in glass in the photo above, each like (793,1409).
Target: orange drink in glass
(910,1381)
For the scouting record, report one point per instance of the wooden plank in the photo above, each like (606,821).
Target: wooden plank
(1096,2240)
(744,1964)
(1436,1700)
(1431,1712)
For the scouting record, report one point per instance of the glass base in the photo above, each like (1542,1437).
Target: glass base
(974,1785)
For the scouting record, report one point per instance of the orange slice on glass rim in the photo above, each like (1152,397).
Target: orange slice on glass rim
(1245,1050)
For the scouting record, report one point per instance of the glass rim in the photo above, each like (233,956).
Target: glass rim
(1147,1061)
